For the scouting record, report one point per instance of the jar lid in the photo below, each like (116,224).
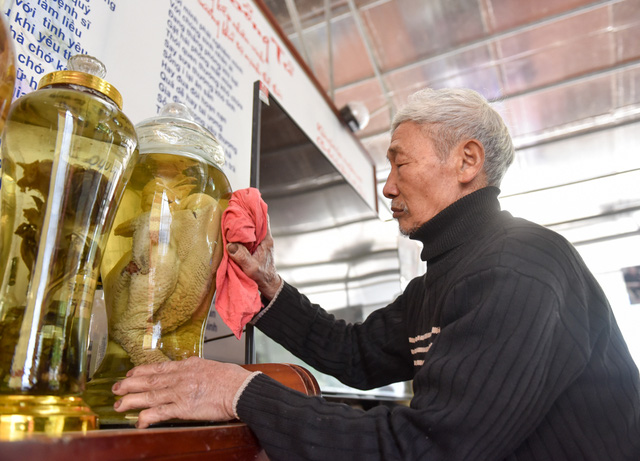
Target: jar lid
(174,130)
(87,71)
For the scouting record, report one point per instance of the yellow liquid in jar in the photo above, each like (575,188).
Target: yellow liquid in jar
(159,269)
(66,155)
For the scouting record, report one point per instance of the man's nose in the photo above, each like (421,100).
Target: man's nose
(390,190)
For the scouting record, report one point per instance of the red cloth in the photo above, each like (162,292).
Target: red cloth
(245,222)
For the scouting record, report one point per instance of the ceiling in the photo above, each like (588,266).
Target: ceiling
(564,74)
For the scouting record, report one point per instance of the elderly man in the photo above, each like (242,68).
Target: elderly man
(511,344)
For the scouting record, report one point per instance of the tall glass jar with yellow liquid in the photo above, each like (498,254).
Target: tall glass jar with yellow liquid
(67,151)
(7,71)
(159,268)
(7,76)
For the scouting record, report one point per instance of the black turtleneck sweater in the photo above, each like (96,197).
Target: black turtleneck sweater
(511,344)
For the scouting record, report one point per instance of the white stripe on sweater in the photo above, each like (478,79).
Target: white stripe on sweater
(434,331)
(419,350)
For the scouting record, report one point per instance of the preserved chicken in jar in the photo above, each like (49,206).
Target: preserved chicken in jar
(159,267)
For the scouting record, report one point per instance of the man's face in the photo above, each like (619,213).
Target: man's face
(420,184)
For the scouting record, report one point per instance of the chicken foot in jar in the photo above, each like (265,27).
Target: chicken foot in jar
(200,256)
(168,276)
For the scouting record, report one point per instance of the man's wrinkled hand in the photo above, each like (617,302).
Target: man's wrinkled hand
(192,389)
(259,266)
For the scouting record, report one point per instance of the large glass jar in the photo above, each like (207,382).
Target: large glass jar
(7,71)
(159,267)
(7,75)
(67,151)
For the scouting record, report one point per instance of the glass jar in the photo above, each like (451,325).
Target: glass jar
(7,75)
(68,151)
(7,71)
(160,263)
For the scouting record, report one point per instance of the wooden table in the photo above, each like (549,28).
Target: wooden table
(229,441)
(233,441)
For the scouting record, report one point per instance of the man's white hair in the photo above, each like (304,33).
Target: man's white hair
(450,115)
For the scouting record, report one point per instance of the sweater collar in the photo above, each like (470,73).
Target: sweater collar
(457,223)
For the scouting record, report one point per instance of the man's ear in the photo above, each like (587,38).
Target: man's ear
(472,161)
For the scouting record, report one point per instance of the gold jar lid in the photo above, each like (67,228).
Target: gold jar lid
(85,71)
